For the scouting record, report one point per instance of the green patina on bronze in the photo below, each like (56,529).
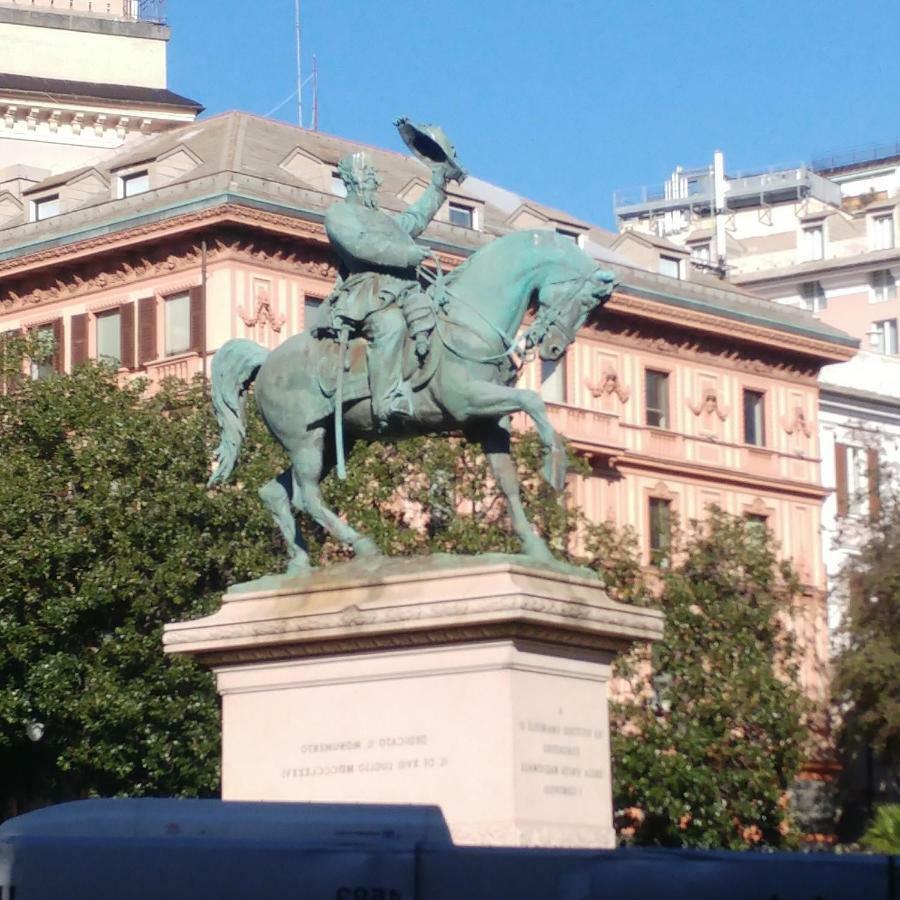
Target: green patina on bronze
(402,349)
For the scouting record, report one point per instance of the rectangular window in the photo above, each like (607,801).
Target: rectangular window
(757,526)
(670,265)
(754,418)
(884,287)
(135,183)
(462,215)
(178,324)
(884,337)
(311,307)
(553,380)
(338,188)
(46,207)
(660,531)
(109,337)
(814,243)
(883,232)
(813,295)
(701,252)
(42,361)
(571,235)
(656,395)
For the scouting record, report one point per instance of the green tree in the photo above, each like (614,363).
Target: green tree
(867,671)
(705,752)
(107,532)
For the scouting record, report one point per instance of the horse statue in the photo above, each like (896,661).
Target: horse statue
(305,386)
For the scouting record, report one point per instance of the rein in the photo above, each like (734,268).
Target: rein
(547,316)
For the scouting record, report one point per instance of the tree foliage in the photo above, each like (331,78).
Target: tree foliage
(867,677)
(108,533)
(706,757)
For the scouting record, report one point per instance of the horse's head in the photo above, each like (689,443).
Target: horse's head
(563,306)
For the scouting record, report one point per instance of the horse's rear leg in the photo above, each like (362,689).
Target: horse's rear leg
(277,495)
(495,442)
(308,467)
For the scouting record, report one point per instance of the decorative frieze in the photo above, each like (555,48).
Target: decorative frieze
(134,265)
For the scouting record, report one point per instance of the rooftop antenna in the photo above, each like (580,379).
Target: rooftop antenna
(299,64)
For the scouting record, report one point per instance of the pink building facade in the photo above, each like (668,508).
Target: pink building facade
(680,393)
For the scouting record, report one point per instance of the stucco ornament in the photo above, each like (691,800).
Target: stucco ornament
(401,349)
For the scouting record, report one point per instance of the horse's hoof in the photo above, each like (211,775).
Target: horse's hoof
(538,551)
(366,547)
(298,565)
(555,466)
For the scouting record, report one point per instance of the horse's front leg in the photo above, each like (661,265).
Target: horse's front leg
(494,440)
(308,467)
(485,400)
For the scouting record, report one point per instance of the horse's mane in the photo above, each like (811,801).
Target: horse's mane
(535,236)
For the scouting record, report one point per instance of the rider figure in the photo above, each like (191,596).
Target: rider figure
(377,293)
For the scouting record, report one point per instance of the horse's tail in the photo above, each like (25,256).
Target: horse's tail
(234,367)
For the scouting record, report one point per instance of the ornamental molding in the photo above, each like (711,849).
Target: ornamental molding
(728,327)
(697,348)
(300,648)
(140,264)
(609,384)
(262,314)
(797,423)
(225,213)
(709,405)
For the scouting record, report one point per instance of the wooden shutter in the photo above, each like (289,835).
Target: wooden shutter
(146,330)
(10,379)
(840,478)
(79,339)
(198,319)
(59,350)
(126,335)
(873,472)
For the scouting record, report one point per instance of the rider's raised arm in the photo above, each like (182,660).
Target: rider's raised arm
(372,242)
(415,218)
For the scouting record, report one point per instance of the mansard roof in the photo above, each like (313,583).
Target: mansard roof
(241,159)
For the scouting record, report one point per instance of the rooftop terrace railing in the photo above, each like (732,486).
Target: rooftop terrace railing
(866,153)
(146,10)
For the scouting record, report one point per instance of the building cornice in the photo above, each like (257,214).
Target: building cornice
(720,475)
(725,324)
(83,21)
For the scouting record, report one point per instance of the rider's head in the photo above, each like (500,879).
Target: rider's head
(360,178)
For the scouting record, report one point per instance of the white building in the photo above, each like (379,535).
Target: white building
(820,236)
(79,81)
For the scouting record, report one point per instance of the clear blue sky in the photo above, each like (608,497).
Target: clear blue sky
(563,100)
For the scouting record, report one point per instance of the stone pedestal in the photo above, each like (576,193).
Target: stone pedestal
(476,686)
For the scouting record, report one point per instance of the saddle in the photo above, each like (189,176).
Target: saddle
(356,374)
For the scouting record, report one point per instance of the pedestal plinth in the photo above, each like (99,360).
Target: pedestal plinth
(476,686)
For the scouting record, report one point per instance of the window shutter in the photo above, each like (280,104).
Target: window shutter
(146,330)
(840,478)
(79,339)
(126,335)
(9,377)
(873,473)
(59,351)
(198,319)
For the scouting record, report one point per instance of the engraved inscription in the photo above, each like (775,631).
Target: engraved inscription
(391,754)
(557,760)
